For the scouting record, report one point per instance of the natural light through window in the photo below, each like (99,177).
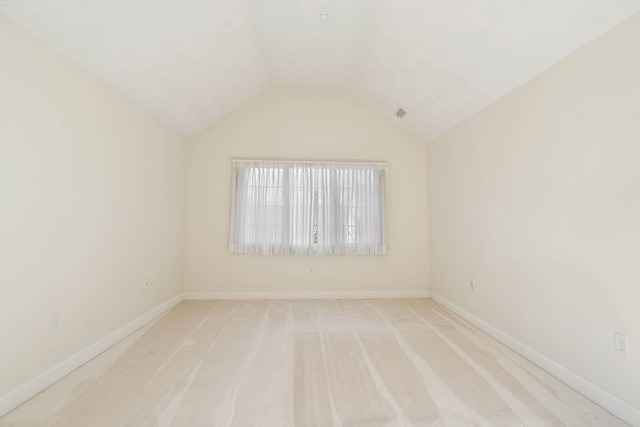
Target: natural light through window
(308,207)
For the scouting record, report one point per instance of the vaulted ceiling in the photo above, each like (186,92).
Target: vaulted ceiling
(192,62)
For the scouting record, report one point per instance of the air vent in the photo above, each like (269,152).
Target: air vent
(400,113)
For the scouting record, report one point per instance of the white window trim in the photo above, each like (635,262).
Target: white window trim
(382,166)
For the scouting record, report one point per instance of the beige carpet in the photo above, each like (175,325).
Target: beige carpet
(309,363)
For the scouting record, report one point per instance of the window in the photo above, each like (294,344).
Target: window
(308,207)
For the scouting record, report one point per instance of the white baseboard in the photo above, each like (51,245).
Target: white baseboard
(618,407)
(306,295)
(26,391)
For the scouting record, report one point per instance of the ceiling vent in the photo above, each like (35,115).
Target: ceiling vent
(400,113)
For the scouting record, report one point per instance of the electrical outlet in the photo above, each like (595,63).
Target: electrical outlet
(622,343)
(146,283)
(53,321)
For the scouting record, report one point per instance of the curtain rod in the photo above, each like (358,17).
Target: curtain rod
(311,162)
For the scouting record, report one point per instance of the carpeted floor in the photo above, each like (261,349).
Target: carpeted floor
(309,363)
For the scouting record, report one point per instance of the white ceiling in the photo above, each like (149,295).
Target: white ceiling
(192,62)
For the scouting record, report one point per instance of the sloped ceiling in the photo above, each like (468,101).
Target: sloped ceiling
(192,62)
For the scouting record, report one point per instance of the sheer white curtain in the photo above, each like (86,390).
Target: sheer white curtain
(307,207)
(272,210)
(352,209)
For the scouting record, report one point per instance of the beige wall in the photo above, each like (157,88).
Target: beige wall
(304,123)
(93,202)
(537,200)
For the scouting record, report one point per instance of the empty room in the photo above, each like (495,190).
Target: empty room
(319,213)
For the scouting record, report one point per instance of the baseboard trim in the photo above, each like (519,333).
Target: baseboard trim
(305,295)
(26,391)
(618,407)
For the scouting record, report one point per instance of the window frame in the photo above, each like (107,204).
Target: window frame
(320,242)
